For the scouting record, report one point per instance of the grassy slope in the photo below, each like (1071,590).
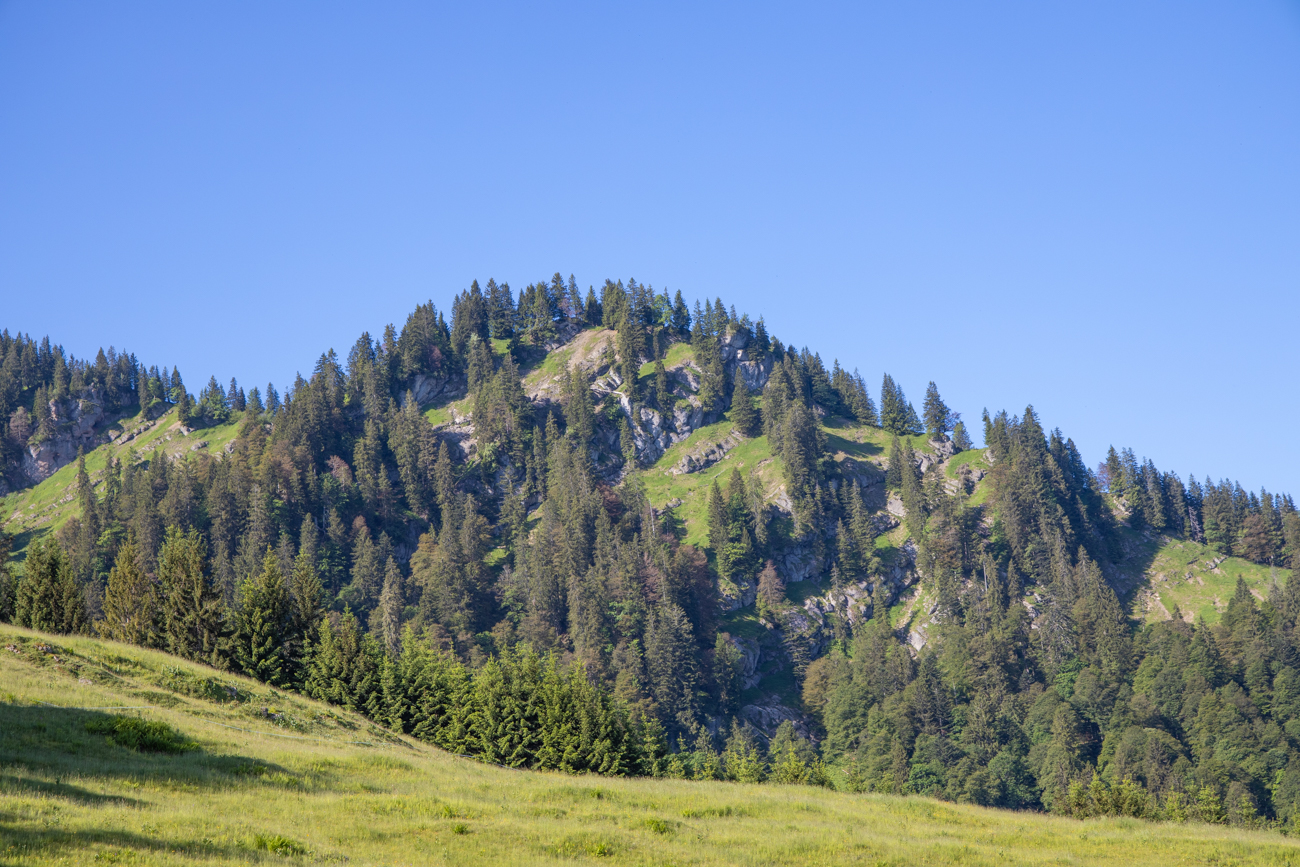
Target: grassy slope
(33,511)
(67,796)
(693,488)
(1179,573)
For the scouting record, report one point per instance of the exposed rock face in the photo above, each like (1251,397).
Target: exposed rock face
(706,455)
(798,563)
(733,597)
(751,654)
(77,420)
(851,604)
(768,717)
(429,388)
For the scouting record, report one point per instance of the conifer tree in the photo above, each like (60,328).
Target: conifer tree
(894,475)
(937,414)
(743,414)
(960,439)
(306,602)
(131,611)
(193,614)
(48,596)
(578,412)
(390,609)
(261,623)
(663,391)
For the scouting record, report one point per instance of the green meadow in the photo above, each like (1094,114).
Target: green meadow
(243,774)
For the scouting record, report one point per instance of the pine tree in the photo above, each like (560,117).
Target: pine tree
(743,414)
(131,611)
(261,623)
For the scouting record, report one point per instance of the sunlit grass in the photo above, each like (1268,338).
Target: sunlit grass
(70,796)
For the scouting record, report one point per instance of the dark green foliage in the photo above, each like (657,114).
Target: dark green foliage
(262,624)
(896,415)
(130,610)
(549,617)
(48,595)
(960,438)
(938,418)
(141,735)
(743,414)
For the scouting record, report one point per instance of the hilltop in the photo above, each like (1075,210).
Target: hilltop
(266,776)
(761,566)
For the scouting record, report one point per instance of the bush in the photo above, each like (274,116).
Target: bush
(146,736)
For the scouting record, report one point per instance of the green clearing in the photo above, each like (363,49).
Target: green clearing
(969,458)
(677,355)
(864,441)
(31,512)
(441,413)
(249,793)
(551,365)
(693,488)
(1184,574)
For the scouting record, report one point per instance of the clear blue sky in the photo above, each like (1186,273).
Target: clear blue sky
(1091,207)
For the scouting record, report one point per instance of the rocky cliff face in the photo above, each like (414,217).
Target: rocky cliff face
(80,425)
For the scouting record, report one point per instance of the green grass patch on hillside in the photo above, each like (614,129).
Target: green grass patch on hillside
(864,441)
(444,412)
(551,365)
(693,488)
(342,790)
(1190,576)
(968,458)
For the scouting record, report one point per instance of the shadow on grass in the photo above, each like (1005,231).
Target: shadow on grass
(14,785)
(38,744)
(26,839)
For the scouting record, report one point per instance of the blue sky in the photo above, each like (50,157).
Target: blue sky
(1094,208)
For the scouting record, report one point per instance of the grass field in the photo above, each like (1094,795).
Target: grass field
(246,792)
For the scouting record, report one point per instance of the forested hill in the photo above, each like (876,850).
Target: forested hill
(763,568)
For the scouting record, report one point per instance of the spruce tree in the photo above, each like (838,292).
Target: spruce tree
(131,611)
(390,609)
(48,597)
(960,439)
(193,611)
(663,391)
(937,414)
(719,522)
(743,414)
(261,623)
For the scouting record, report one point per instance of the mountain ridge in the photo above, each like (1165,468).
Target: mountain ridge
(718,528)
